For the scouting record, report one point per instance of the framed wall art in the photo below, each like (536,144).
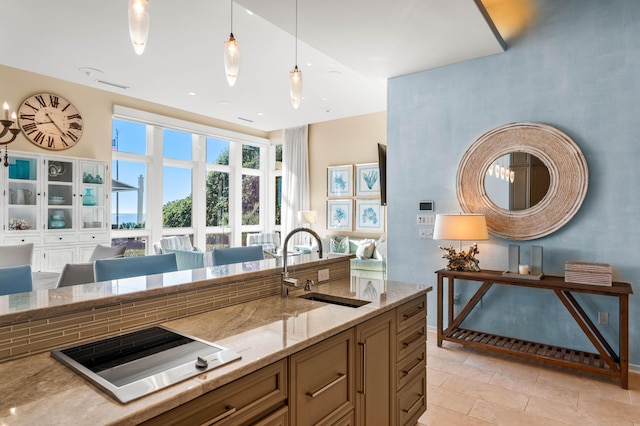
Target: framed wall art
(339,213)
(369,216)
(340,181)
(367,179)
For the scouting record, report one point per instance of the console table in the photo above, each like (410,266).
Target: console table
(606,361)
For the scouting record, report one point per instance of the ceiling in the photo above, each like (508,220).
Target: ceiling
(346,51)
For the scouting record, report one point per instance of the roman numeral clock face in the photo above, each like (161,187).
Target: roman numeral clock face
(50,121)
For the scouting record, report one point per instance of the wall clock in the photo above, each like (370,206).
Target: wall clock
(50,121)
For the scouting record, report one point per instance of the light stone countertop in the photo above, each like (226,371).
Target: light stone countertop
(40,390)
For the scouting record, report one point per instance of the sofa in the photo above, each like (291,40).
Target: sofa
(187,256)
(370,253)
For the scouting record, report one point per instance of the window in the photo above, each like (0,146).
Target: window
(216,197)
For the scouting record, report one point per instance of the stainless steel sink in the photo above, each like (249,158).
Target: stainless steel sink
(133,365)
(335,300)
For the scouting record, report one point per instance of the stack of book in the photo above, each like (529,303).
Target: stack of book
(588,273)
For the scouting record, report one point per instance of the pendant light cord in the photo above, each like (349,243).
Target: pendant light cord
(296,49)
(231,17)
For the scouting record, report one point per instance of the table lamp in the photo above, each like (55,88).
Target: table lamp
(307,217)
(468,227)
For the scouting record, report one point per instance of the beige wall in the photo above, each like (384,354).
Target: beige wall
(96,108)
(351,140)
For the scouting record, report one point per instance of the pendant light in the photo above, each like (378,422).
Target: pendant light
(231,55)
(295,76)
(139,24)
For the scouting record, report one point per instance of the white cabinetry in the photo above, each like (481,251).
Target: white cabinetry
(59,204)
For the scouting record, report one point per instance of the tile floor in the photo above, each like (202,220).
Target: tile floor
(472,387)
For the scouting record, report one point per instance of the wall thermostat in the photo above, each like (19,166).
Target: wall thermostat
(427,206)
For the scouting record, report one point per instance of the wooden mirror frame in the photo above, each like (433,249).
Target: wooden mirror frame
(568,171)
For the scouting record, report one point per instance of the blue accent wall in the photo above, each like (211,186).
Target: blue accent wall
(578,69)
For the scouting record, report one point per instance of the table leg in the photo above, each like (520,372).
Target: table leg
(439,310)
(624,340)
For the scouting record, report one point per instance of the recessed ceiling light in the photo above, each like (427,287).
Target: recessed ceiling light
(249,12)
(325,99)
(261,113)
(224,103)
(309,64)
(191,93)
(334,73)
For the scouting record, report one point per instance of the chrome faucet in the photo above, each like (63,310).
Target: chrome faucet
(293,282)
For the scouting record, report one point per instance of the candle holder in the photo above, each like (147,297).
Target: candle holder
(6,124)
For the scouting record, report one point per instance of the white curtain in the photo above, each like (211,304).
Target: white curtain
(295,177)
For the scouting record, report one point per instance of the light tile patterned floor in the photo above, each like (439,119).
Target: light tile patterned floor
(473,387)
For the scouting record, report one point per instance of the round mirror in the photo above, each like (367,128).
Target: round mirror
(544,213)
(516,181)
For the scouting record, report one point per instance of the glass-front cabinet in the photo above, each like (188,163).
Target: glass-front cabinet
(60,194)
(57,203)
(93,195)
(22,213)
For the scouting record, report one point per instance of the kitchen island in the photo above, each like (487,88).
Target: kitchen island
(267,332)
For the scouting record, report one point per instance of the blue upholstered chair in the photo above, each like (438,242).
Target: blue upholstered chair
(15,279)
(125,267)
(227,256)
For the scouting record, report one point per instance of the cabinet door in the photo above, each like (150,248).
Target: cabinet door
(60,193)
(321,381)
(22,196)
(93,181)
(54,258)
(375,370)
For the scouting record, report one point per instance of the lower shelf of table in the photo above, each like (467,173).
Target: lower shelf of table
(553,354)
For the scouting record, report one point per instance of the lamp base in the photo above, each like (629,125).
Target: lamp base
(462,261)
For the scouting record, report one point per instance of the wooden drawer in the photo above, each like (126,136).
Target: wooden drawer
(411,312)
(279,417)
(412,401)
(93,237)
(60,239)
(35,239)
(321,381)
(244,401)
(411,339)
(412,365)
(347,420)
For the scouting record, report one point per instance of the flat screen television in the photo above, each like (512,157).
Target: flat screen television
(382,164)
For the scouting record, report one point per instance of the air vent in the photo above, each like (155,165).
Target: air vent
(245,119)
(108,83)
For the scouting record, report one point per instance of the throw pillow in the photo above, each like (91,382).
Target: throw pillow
(365,249)
(339,245)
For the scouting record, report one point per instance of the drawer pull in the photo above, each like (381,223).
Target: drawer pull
(416,312)
(414,368)
(337,380)
(410,409)
(230,410)
(363,377)
(412,341)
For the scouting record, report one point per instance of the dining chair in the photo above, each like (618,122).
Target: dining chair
(125,267)
(75,273)
(106,252)
(15,279)
(229,255)
(16,255)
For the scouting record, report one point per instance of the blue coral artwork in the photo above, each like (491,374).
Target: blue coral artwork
(339,214)
(367,179)
(340,181)
(369,216)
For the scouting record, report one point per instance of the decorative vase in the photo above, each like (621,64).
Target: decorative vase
(88,199)
(56,220)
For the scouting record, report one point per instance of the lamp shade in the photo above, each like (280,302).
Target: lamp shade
(470,227)
(139,24)
(307,216)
